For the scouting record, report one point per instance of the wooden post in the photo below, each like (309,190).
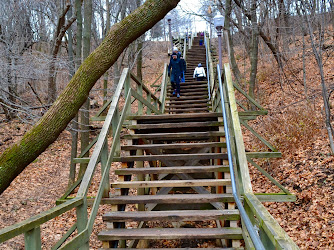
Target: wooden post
(104,159)
(82,221)
(140,105)
(149,98)
(32,239)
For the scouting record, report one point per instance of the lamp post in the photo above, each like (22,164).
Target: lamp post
(169,19)
(219,22)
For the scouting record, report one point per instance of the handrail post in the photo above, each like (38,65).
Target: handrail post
(140,105)
(32,239)
(207,64)
(82,221)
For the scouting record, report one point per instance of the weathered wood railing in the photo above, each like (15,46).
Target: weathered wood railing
(114,120)
(270,232)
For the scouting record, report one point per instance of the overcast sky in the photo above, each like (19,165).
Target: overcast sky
(194,6)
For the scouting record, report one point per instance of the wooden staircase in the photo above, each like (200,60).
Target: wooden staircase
(175,171)
(194,94)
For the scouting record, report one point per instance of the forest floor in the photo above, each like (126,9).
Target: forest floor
(295,125)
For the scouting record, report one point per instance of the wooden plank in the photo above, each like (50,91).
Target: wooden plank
(175,145)
(35,221)
(264,141)
(239,142)
(270,226)
(176,125)
(265,173)
(202,97)
(171,157)
(187,135)
(172,116)
(263,155)
(187,110)
(81,160)
(144,101)
(172,170)
(133,77)
(253,113)
(275,197)
(172,215)
(172,183)
(171,233)
(169,199)
(102,137)
(32,239)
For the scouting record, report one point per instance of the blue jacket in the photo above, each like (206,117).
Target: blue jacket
(175,66)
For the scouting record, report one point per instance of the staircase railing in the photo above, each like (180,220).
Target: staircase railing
(114,120)
(271,234)
(251,230)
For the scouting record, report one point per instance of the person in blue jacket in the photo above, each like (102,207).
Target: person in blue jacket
(175,71)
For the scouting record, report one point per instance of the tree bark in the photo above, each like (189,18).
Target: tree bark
(48,128)
(254,52)
(229,41)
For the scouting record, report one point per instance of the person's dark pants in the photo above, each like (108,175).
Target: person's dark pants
(201,78)
(175,81)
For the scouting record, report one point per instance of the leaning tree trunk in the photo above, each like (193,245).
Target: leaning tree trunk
(48,128)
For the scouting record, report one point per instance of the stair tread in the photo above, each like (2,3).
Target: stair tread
(174,145)
(171,233)
(176,169)
(186,135)
(172,183)
(175,125)
(169,198)
(173,116)
(172,215)
(202,156)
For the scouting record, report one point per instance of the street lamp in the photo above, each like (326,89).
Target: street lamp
(169,19)
(219,23)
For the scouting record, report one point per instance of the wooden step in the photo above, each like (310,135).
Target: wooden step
(173,170)
(175,125)
(187,106)
(194,89)
(188,97)
(190,86)
(181,101)
(172,215)
(175,136)
(189,110)
(171,233)
(172,183)
(174,116)
(175,145)
(168,199)
(172,157)
(197,93)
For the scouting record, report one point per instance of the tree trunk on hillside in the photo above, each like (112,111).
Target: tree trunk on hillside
(84,114)
(229,41)
(254,52)
(48,128)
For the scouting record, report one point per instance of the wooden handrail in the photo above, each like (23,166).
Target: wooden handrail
(35,221)
(135,78)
